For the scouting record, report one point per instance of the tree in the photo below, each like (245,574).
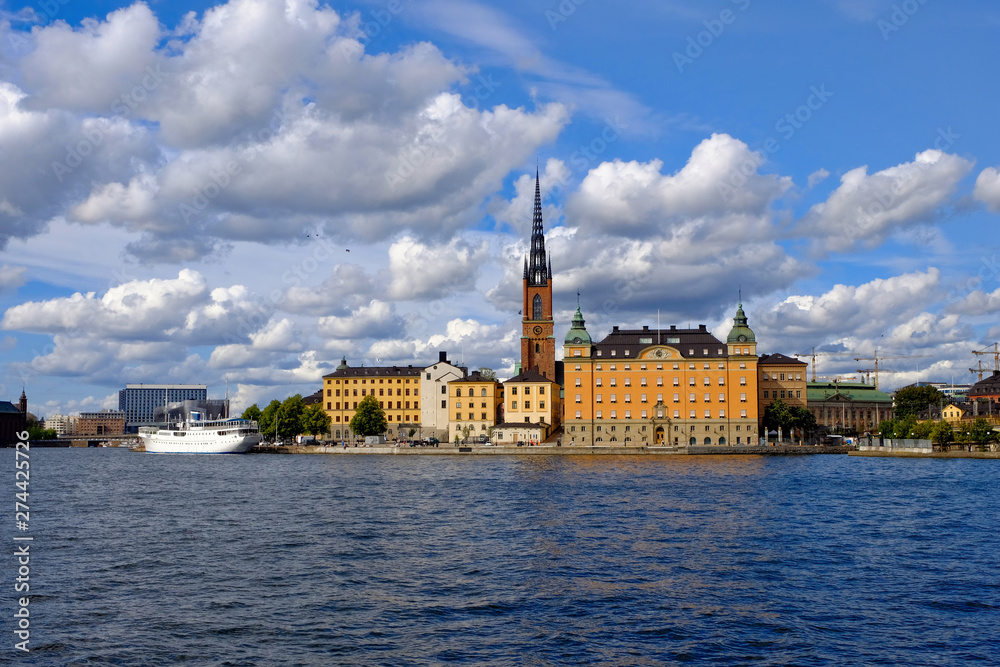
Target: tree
(487,373)
(315,421)
(803,419)
(778,415)
(923,430)
(914,400)
(943,433)
(981,431)
(267,418)
(290,417)
(37,432)
(369,419)
(252,413)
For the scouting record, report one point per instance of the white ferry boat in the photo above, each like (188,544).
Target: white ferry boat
(195,436)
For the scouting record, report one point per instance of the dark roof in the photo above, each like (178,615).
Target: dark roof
(988,386)
(529,376)
(691,343)
(313,399)
(779,359)
(474,376)
(376,371)
(7,406)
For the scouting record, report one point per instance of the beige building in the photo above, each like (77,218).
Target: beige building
(846,407)
(434,412)
(474,407)
(530,398)
(952,413)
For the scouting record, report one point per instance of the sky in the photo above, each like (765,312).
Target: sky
(241,194)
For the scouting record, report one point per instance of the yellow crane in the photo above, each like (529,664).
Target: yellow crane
(815,354)
(877,359)
(996,356)
(978,370)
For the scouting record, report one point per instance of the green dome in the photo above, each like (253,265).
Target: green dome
(343,364)
(741,333)
(578,334)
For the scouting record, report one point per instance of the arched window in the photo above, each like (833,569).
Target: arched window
(708,441)
(722,441)
(484,392)
(537,349)
(472,392)
(693,441)
(536,308)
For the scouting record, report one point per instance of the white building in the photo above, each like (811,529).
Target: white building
(62,424)
(434,387)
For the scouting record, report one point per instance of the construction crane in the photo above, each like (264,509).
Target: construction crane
(978,370)
(877,358)
(868,372)
(996,356)
(815,354)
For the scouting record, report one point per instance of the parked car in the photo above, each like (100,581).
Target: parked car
(432,442)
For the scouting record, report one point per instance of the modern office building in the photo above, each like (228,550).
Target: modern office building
(139,402)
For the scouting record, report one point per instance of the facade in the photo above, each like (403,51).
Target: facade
(538,342)
(475,405)
(396,387)
(519,433)
(532,398)
(661,387)
(105,422)
(953,413)
(62,424)
(434,410)
(987,389)
(849,406)
(781,378)
(13,420)
(140,401)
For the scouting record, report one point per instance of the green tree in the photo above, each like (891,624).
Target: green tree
(315,421)
(37,432)
(943,433)
(778,415)
(914,400)
(923,430)
(290,417)
(267,418)
(981,431)
(369,419)
(487,373)
(252,413)
(803,419)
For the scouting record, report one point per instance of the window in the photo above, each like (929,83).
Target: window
(599,416)
(628,414)
(690,382)
(614,398)
(708,398)
(722,398)
(597,398)
(444,404)
(743,366)
(598,382)
(798,393)
(659,397)
(444,390)
(484,416)
(782,393)
(677,415)
(691,398)
(677,398)
(692,414)
(743,414)
(642,382)
(578,399)
(536,307)
(598,367)
(708,382)
(765,393)
(613,382)
(578,367)
(613,367)
(659,382)
(642,367)
(577,353)
(743,381)
(628,398)
(708,414)
(743,398)
(722,414)
(484,392)
(643,398)
(513,405)
(579,415)
(782,377)
(513,391)
(722,382)
(614,415)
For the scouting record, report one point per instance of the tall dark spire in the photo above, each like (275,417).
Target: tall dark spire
(538,271)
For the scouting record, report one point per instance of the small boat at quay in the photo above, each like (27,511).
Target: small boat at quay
(197,436)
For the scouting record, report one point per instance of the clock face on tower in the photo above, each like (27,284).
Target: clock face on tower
(741,338)
(538,331)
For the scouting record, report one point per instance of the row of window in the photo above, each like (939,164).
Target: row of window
(642,427)
(798,393)
(704,351)
(387,405)
(381,392)
(599,414)
(781,376)
(527,405)
(472,392)
(389,417)
(692,398)
(380,381)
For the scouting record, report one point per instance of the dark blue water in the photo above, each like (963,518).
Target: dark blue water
(363,560)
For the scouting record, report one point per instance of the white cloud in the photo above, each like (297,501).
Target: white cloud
(376,320)
(419,271)
(988,188)
(867,208)
(11,277)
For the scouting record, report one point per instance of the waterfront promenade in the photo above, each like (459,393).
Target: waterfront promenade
(546,450)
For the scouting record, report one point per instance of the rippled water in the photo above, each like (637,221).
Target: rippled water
(364,560)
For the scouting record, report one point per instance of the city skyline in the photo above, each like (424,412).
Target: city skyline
(249,192)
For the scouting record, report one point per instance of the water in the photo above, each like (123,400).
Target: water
(364,560)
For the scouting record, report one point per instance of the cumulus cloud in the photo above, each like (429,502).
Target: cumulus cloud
(11,277)
(420,271)
(988,188)
(376,320)
(867,208)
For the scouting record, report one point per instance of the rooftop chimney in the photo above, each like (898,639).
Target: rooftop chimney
(615,328)
(442,357)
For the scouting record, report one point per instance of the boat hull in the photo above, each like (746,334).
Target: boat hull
(195,443)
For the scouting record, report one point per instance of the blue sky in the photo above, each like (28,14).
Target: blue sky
(268,186)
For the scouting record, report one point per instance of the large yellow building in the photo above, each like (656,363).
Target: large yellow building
(396,387)
(473,407)
(660,387)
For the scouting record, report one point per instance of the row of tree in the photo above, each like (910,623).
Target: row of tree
(941,432)
(780,415)
(283,420)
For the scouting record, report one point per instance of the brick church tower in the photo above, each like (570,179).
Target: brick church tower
(538,343)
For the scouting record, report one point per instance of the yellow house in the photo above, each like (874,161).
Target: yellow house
(661,386)
(531,401)
(952,413)
(473,407)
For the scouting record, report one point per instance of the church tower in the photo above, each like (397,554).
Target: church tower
(22,404)
(538,343)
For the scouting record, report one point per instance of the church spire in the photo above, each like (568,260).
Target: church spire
(538,273)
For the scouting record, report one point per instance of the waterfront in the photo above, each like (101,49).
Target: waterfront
(261,560)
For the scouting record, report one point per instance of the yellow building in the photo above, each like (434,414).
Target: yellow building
(660,387)
(781,378)
(396,387)
(952,413)
(473,407)
(531,401)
